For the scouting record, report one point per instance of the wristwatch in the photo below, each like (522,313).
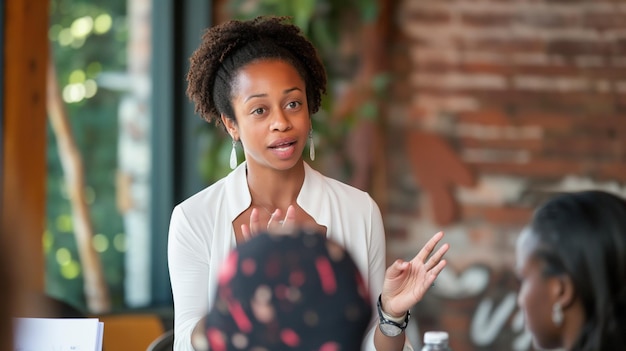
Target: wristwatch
(389,327)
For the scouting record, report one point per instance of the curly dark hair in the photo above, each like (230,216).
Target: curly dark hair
(227,47)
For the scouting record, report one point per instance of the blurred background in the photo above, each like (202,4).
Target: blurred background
(459,116)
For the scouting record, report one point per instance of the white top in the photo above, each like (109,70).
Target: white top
(201,235)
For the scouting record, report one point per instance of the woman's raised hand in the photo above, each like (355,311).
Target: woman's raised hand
(406,282)
(274,225)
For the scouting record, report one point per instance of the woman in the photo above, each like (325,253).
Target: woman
(262,80)
(571,260)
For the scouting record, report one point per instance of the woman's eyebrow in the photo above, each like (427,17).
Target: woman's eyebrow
(287,91)
(254,96)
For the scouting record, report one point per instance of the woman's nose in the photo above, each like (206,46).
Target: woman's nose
(280,121)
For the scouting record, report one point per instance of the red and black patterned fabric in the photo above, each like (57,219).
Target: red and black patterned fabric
(289,292)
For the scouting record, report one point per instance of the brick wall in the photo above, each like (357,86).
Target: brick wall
(496,105)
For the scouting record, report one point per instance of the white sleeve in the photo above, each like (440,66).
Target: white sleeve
(189,271)
(376,266)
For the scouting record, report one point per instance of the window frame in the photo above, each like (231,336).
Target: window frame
(177,28)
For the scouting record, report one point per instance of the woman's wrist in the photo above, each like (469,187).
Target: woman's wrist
(199,341)
(398,320)
(390,315)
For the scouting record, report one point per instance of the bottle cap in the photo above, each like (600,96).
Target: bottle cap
(434,337)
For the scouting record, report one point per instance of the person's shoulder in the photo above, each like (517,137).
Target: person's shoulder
(344,189)
(197,208)
(204,196)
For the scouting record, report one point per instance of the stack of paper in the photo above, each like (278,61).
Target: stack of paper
(58,334)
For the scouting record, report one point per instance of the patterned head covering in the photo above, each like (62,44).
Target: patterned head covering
(289,292)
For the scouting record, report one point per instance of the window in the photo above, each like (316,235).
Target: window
(121,66)
(98,239)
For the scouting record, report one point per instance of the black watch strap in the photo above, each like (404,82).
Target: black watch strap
(385,321)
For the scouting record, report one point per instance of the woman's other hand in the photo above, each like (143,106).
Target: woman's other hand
(274,225)
(406,282)
(199,340)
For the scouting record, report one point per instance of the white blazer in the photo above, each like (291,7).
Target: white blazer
(201,235)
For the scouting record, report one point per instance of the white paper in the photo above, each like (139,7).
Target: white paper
(58,334)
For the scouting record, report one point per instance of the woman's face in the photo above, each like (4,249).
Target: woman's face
(537,293)
(270,105)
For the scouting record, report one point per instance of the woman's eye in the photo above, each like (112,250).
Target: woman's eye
(258,111)
(294,104)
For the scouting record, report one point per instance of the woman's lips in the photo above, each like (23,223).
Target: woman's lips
(283,149)
(285,142)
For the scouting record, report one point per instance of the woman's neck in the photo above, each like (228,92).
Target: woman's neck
(573,325)
(271,189)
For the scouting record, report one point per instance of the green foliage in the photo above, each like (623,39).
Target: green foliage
(95,128)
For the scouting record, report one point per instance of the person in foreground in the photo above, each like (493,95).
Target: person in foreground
(571,260)
(298,290)
(262,80)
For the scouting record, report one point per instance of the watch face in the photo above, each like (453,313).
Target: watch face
(390,329)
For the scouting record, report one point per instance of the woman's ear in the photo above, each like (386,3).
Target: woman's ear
(231,127)
(564,290)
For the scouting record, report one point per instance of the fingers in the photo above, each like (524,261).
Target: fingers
(285,226)
(434,273)
(406,282)
(436,257)
(274,224)
(435,265)
(245,232)
(255,222)
(290,217)
(437,269)
(429,247)
(396,269)
(248,231)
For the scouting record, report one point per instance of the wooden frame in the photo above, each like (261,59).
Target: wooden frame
(25,54)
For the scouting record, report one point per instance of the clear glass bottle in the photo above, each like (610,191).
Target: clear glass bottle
(436,341)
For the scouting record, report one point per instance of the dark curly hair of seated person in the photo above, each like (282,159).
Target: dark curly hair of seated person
(228,47)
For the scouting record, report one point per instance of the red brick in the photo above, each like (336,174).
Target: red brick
(488,19)
(485,116)
(612,171)
(605,126)
(554,169)
(429,17)
(546,169)
(509,216)
(604,21)
(552,122)
(502,144)
(505,45)
(571,69)
(597,149)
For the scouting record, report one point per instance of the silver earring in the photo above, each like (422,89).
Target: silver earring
(233,156)
(311,146)
(557,314)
